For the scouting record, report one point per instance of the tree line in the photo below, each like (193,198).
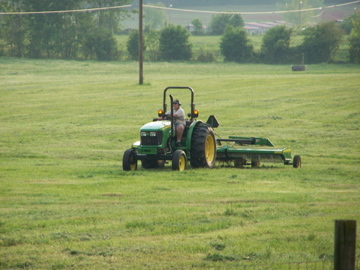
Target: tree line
(319,43)
(91,35)
(85,35)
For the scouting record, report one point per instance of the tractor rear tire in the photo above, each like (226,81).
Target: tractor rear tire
(297,161)
(129,160)
(179,160)
(203,147)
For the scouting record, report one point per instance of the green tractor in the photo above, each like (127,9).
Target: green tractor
(157,143)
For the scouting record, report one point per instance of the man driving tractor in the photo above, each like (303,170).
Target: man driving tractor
(179,115)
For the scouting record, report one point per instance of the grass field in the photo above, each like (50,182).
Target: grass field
(67,204)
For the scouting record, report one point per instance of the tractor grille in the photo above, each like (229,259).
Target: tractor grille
(151,137)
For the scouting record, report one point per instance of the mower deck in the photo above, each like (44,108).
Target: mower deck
(240,150)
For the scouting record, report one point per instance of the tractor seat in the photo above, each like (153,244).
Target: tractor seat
(188,123)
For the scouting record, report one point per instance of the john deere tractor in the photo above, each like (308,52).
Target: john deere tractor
(157,143)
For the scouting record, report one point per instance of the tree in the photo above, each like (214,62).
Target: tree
(174,43)
(275,46)
(59,35)
(109,18)
(13,29)
(133,45)
(155,18)
(354,42)
(54,35)
(299,18)
(198,27)
(219,22)
(347,23)
(51,35)
(205,56)
(321,42)
(234,45)
(152,44)
(100,44)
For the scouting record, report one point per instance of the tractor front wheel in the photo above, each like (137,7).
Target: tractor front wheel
(203,147)
(179,160)
(129,160)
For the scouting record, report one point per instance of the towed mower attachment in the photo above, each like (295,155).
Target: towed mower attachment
(240,150)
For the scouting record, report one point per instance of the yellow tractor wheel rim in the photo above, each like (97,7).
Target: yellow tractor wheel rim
(133,164)
(133,167)
(182,163)
(209,149)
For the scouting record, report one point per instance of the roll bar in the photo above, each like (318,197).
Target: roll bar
(171,98)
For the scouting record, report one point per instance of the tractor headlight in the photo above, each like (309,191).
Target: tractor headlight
(143,134)
(152,134)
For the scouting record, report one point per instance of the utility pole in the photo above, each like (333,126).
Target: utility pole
(300,6)
(141,43)
(345,245)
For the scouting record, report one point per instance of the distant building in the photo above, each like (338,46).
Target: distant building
(254,28)
(191,28)
(261,27)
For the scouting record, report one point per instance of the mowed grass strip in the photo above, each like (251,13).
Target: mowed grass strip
(67,204)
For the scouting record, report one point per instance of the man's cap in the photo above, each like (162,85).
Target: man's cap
(176,101)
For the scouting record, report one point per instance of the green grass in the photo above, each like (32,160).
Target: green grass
(67,204)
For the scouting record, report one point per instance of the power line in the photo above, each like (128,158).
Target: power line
(251,13)
(63,11)
(177,9)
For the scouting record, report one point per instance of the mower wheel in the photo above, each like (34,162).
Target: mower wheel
(129,160)
(179,160)
(255,163)
(239,163)
(297,161)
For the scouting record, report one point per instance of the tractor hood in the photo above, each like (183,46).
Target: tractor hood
(156,126)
